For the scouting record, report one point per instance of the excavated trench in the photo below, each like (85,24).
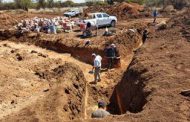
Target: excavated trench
(127,95)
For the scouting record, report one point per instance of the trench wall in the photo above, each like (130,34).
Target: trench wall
(129,93)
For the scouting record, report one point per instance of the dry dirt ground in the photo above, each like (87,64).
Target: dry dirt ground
(46,77)
(159,71)
(27,83)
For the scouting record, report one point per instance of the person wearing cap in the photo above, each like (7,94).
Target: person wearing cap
(110,54)
(101,112)
(97,67)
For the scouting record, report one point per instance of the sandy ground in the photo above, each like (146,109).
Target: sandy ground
(23,87)
(29,77)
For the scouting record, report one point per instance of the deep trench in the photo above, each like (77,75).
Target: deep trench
(128,94)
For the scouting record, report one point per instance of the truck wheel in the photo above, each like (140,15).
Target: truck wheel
(113,23)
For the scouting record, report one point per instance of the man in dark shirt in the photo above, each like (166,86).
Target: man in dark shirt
(117,62)
(110,55)
(144,36)
(101,112)
(155,14)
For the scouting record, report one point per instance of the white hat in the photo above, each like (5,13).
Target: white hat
(113,45)
(93,54)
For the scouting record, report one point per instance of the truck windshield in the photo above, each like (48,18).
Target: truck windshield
(99,15)
(105,15)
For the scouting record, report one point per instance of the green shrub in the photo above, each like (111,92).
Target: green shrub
(23,4)
(68,3)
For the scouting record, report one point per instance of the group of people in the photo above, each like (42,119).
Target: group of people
(45,25)
(113,58)
(101,111)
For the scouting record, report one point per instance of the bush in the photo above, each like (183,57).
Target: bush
(23,4)
(41,4)
(50,3)
(141,2)
(68,3)
(100,3)
(7,6)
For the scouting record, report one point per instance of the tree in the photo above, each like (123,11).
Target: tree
(41,3)
(110,2)
(68,3)
(50,3)
(23,4)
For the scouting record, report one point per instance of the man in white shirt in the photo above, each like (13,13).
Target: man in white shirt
(97,67)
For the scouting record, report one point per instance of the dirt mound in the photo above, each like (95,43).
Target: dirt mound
(157,74)
(126,9)
(63,101)
(126,41)
(121,10)
(39,87)
(7,20)
(71,82)
(183,21)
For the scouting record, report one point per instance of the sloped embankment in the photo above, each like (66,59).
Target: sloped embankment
(63,101)
(154,80)
(125,41)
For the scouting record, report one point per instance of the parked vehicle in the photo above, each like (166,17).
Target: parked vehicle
(101,19)
(72,13)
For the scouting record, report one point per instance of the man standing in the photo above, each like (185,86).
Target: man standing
(101,112)
(144,36)
(110,54)
(155,14)
(117,62)
(97,67)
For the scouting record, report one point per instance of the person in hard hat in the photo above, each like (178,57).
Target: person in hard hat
(101,111)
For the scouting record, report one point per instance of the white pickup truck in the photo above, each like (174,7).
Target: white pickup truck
(72,13)
(101,19)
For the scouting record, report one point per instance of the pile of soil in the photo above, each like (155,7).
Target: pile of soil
(126,9)
(7,20)
(39,87)
(126,42)
(121,10)
(154,80)
(183,22)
